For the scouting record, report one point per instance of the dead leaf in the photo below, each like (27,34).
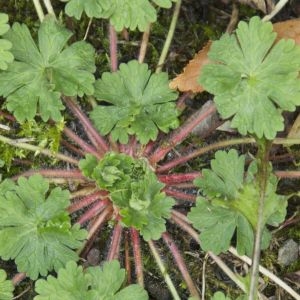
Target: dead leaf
(289,29)
(265,6)
(187,81)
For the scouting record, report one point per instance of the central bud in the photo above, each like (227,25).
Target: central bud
(134,189)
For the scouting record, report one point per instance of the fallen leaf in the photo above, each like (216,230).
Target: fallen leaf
(187,81)
(289,29)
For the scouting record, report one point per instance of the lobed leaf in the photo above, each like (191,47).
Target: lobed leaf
(141,104)
(251,80)
(6,287)
(73,283)
(232,205)
(6,57)
(35,229)
(121,13)
(42,72)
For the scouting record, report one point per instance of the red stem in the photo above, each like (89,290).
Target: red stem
(181,133)
(86,147)
(135,239)
(72,148)
(97,140)
(93,211)
(127,259)
(180,195)
(85,201)
(113,50)
(115,243)
(287,174)
(181,101)
(18,278)
(99,222)
(178,178)
(181,265)
(54,173)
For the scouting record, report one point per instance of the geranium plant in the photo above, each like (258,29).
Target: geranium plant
(114,172)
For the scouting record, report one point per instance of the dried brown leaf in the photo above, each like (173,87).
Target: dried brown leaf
(289,29)
(187,81)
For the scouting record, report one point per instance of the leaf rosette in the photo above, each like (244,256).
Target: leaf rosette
(91,284)
(134,189)
(35,228)
(141,104)
(231,205)
(253,78)
(121,13)
(40,74)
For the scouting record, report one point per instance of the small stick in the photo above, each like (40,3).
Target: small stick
(39,9)
(169,38)
(88,29)
(276,10)
(163,271)
(49,7)
(144,44)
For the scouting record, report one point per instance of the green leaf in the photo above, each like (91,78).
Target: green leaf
(251,78)
(6,287)
(141,103)
(121,13)
(134,189)
(220,296)
(96,283)
(232,205)
(6,57)
(40,74)
(35,229)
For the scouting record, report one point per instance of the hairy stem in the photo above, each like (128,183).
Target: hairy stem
(16,143)
(181,133)
(115,243)
(86,201)
(262,178)
(169,37)
(136,245)
(97,140)
(127,258)
(100,206)
(180,195)
(113,49)
(181,265)
(75,138)
(163,271)
(185,158)
(170,179)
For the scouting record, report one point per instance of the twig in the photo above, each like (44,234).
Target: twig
(39,9)
(49,7)
(233,19)
(203,276)
(276,10)
(267,273)
(88,29)
(163,271)
(169,38)
(37,149)
(144,44)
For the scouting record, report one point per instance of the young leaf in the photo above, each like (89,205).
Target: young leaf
(6,287)
(95,283)
(251,78)
(6,56)
(141,103)
(35,229)
(232,205)
(220,296)
(37,78)
(121,14)
(134,189)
